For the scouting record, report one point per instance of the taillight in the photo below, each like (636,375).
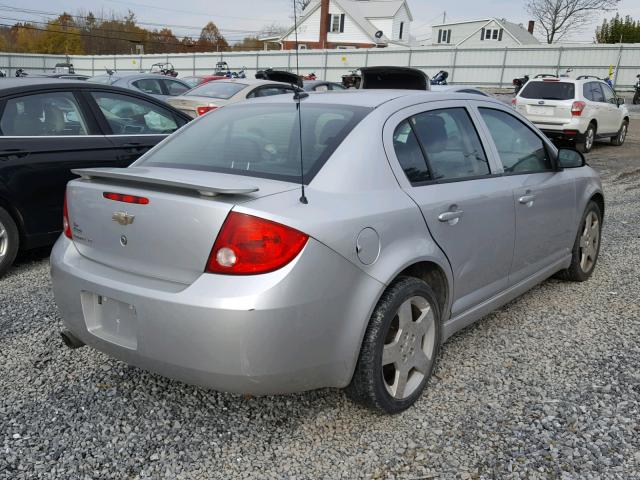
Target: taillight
(248,245)
(201,110)
(66,225)
(122,197)
(514,101)
(577,108)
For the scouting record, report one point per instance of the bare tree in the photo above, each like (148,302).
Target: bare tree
(558,18)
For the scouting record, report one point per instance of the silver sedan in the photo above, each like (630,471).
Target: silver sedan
(213,95)
(421,212)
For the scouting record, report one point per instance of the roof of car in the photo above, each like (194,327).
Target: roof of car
(375,98)
(249,81)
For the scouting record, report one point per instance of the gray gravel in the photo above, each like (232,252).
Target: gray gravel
(547,387)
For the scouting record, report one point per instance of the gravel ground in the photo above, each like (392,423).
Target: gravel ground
(547,387)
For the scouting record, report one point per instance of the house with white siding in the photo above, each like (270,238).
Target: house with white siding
(482,33)
(351,24)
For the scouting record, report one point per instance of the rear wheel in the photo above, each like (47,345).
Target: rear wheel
(586,247)
(9,241)
(622,134)
(589,139)
(399,348)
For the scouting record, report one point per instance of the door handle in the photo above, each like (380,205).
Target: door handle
(527,199)
(453,216)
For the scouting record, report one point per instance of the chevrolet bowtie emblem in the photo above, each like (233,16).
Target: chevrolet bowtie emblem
(123,218)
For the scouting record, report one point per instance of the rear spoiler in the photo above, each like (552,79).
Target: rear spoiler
(183,179)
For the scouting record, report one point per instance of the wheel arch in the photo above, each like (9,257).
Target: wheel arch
(15,215)
(598,197)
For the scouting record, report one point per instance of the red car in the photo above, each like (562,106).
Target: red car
(196,80)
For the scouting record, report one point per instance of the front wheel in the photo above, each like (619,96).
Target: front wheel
(399,349)
(9,240)
(619,139)
(586,247)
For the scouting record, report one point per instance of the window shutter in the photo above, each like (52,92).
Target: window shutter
(342,23)
(448,36)
(500,35)
(440,36)
(329,24)
(482,34)
(401,29)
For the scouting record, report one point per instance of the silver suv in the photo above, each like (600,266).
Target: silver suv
(580,110)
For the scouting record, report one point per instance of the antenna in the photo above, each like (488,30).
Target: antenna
(297,97)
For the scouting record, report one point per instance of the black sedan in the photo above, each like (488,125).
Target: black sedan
(48,127)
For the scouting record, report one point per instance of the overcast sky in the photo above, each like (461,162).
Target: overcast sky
(237,18)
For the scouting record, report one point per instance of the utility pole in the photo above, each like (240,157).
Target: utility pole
(444,17)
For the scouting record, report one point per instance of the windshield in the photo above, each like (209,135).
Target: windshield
(549,90)
(260,140)
(217,89)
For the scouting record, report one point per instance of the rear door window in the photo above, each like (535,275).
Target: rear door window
(260,140)
(46,114)
(127,115)
(409,153)
(149,85)
(520,150)
(451,144)
(549,90)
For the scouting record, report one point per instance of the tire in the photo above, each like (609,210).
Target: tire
(589,139)
(581,269)
(9,241)
(417,344)
(619,139)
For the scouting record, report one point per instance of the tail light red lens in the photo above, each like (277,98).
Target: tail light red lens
(577,108)
(66,225)
(204,109)
(121,197)
(514,102)
(248,245)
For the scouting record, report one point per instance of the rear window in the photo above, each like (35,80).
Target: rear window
(217,89)
(103,79)
(549,90)
(259,140)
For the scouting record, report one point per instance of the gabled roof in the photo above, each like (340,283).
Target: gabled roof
(360,11)
(517,32)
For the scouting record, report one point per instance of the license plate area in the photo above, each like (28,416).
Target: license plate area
(544,111)
(111,320)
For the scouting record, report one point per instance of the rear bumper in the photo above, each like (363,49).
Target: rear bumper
(570,135)
(295,329)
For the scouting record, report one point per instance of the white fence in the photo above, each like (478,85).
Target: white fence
(489,67)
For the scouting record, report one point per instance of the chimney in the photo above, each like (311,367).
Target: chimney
(324,22)
(530,27)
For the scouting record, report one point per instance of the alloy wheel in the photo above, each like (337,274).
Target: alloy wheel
(623,134)
(589,242)
(409,348)
(4,241)
(588,141)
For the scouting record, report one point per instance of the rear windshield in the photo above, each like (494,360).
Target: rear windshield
(259,140)
(104,79)
(549,90)
(217,89)
(193,81)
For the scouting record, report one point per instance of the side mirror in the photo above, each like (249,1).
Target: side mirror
(570,158)
(620,101)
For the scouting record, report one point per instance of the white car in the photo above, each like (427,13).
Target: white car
(580,110)
(212,95)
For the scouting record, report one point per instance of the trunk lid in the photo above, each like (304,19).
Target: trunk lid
(171,236)
(189,103)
